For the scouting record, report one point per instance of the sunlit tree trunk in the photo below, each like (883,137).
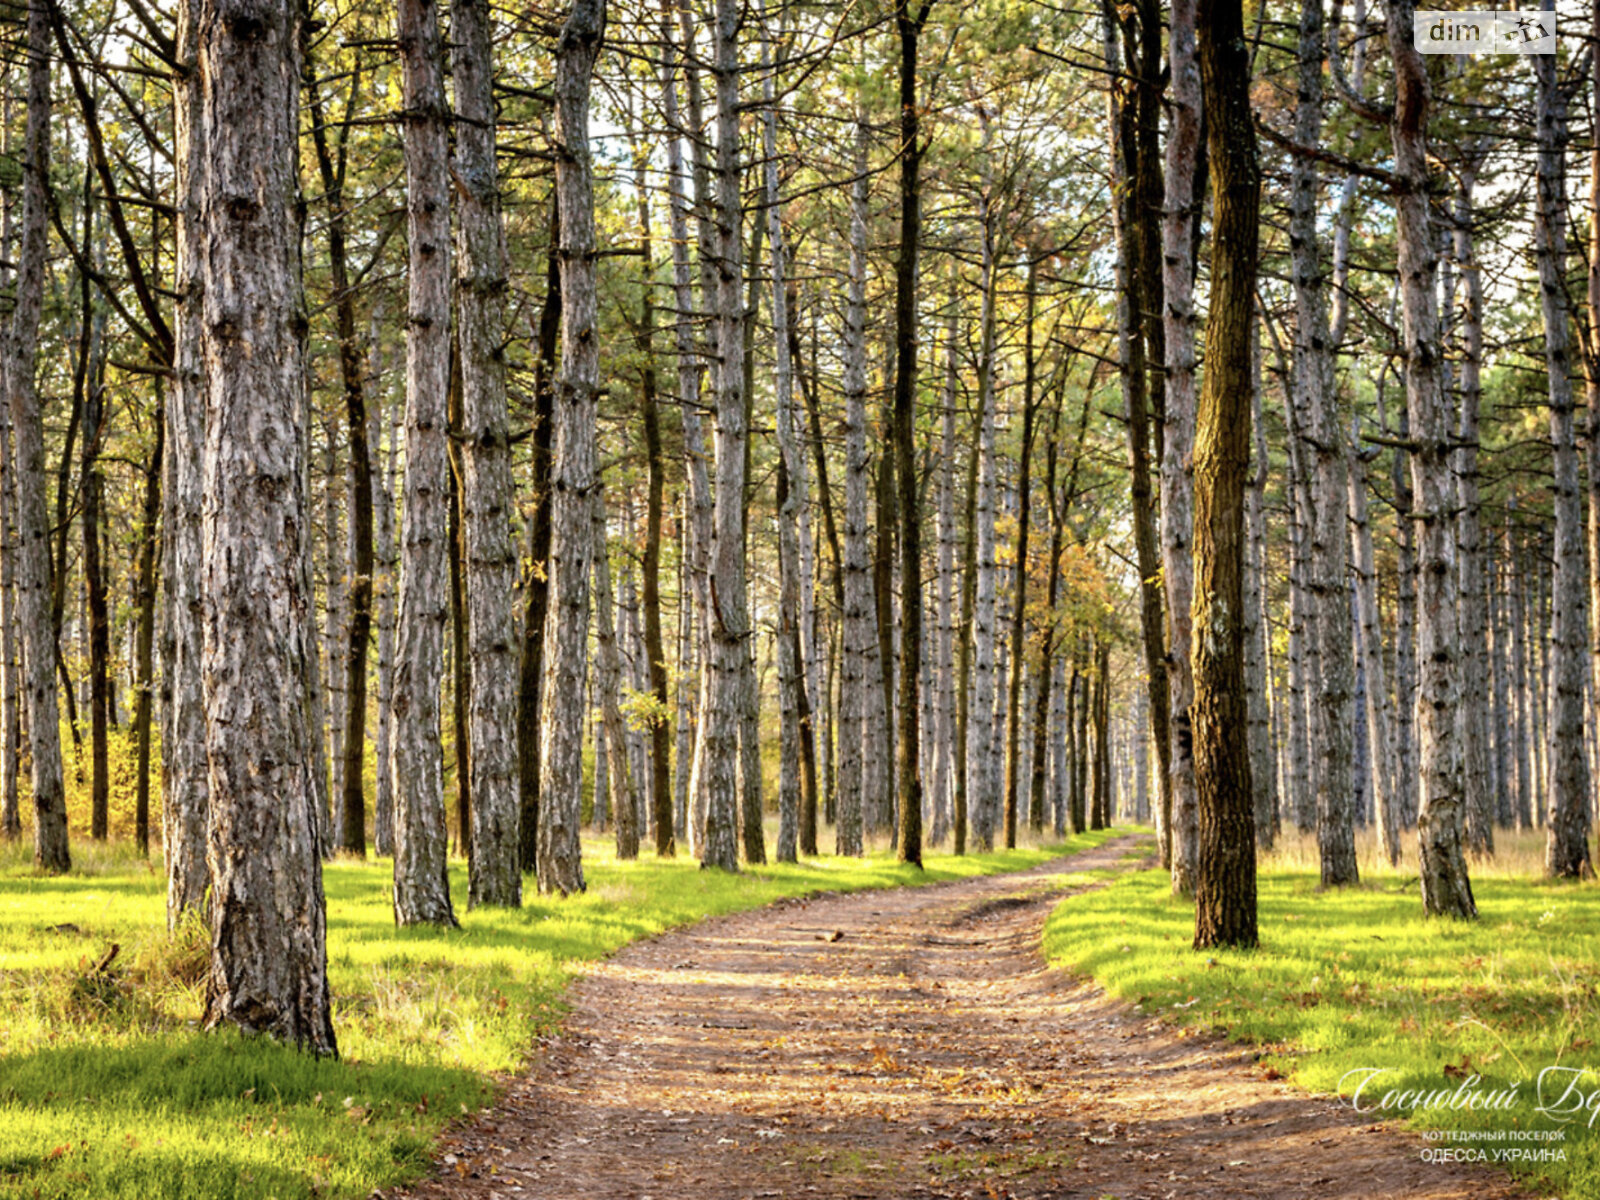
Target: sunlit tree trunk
(268,932)
(34,619)
(792,498)
(1225,877)
(1324,443)
(480,290)
(1445,887)
(982,785)
(611,754)
(184,773)
(1177,488)
(1131,362)
(1019,574)
(573,469)
(421,882)
(698,504)
(858,686)
(1567,846)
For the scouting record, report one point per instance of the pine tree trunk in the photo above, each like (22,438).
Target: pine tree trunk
(1100,807)
(1591,364)
(10,716)
(10,724)
(1405,625)
(611,755)
(944,715)
(460,654)
(268,936)
(1567,846)
(421,846)
(573,470)
(1263,775)
(1478,797)
(858,685)
(350,833)
(723,698)
(1371,644)
(1305,667)
(91,501)
(1225,877)
(982,785)
(1131,362)
(792,489)
(487,502)
(144,631)
(334,641)
(1177,488)
(1019,573)
(1445,887)
(1078,711)
(655,468)
(536,602)
(1334,719)
(909,500)
(33,589)
(185,783)
(384,593)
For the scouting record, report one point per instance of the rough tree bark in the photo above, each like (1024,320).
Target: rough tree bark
(1477,798)
(1225,878)
(573,471)
(792,491)
(909,506)
(486,494)
(1446,890)
(1177,486)
(983,788)
(421,881)
(184,781)
(944,715)
(1131,363)
(698,505)
(611,750)
(1334,716)
(50,851)
(1567,839)
(858,685)
(1263,777)
(660,784)
(268,927)
(1371,639)
(1019,573)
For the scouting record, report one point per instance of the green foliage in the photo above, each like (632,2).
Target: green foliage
(1358,979)
(109,1089)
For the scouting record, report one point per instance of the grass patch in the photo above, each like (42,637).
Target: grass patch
(1358,978)
(108,1089)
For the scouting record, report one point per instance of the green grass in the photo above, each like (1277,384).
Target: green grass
(108,1089)
(1359,979)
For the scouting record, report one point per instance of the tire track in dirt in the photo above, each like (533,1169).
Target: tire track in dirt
(906,1043)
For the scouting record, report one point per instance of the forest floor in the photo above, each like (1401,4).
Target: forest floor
(908,1043)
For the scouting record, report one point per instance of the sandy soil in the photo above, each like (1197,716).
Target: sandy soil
(909,1043)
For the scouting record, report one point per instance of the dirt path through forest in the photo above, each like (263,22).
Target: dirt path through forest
(906,1043)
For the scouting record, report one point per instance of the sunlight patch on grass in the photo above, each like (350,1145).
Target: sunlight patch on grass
(1358,978)
(108,1088)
